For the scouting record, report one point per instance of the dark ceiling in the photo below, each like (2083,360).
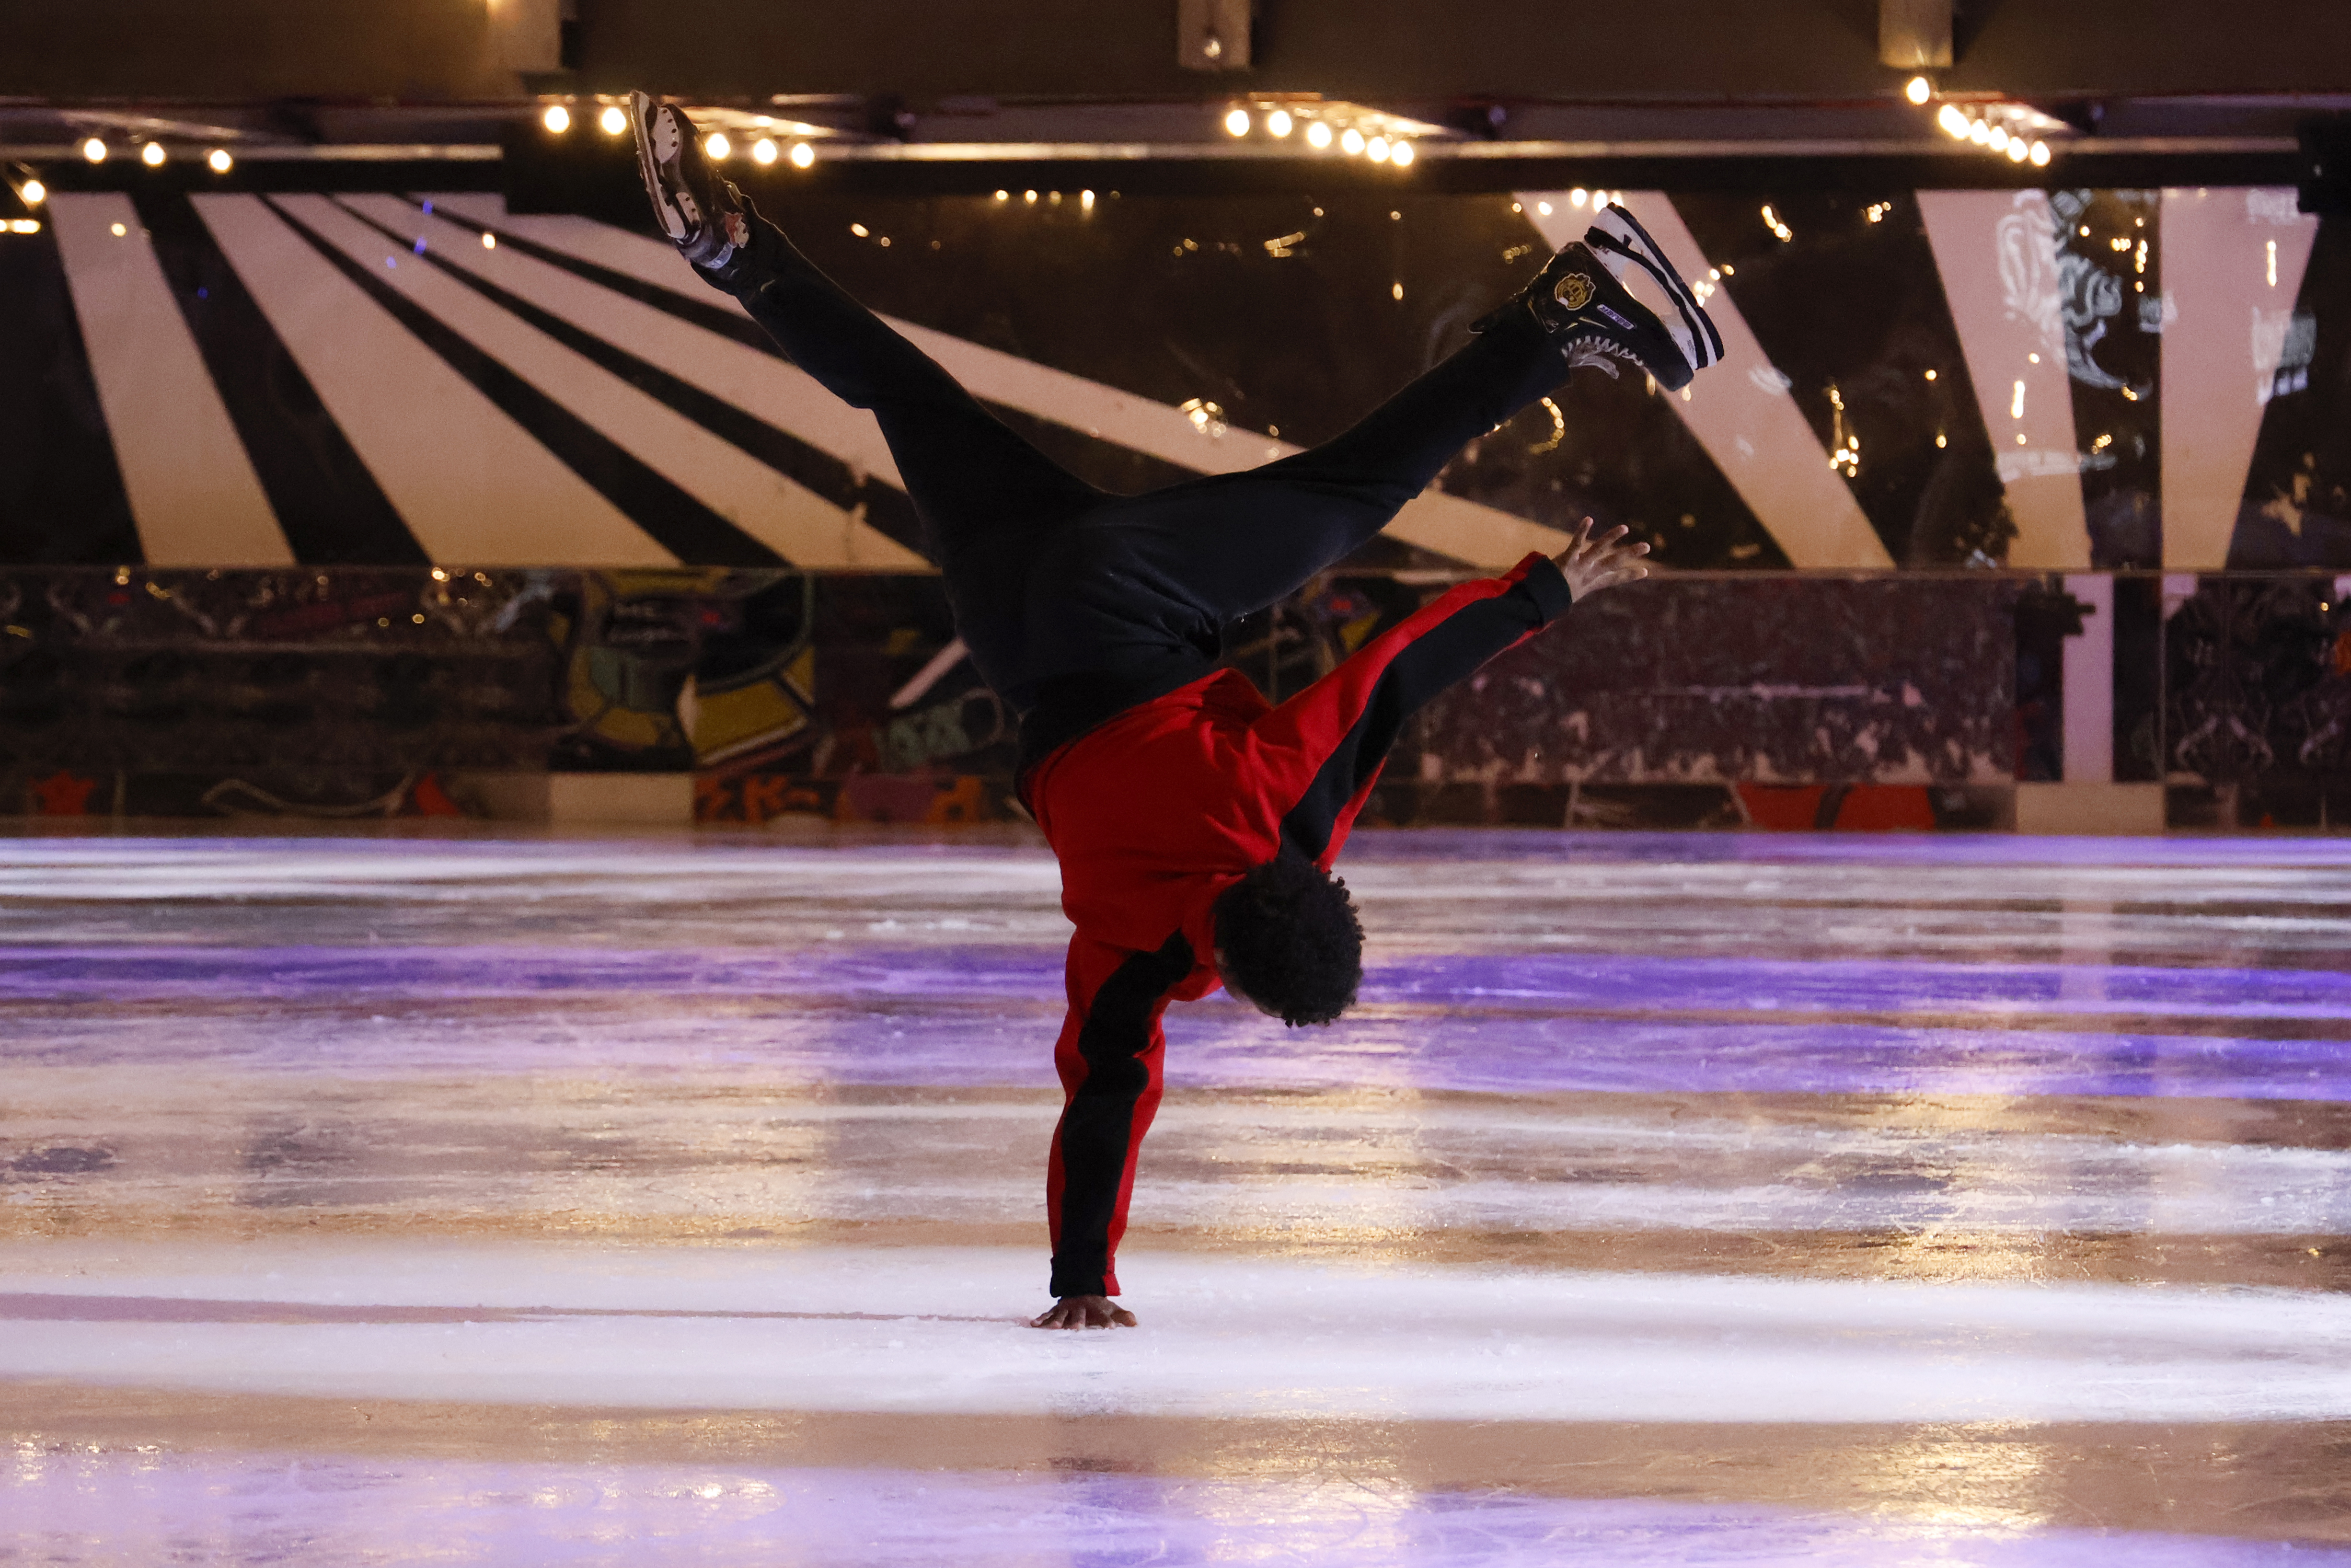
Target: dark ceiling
(928,53)
(2152,89)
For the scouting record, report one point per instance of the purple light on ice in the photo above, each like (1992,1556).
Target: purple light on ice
(981,1016)
(296,1511)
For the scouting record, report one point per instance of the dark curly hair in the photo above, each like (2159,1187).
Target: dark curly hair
(1288,939)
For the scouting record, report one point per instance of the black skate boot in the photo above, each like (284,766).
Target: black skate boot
(1580,299)
(702,214)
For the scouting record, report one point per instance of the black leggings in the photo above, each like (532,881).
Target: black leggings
(1076,604)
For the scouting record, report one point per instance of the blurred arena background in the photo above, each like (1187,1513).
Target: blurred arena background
(363,454)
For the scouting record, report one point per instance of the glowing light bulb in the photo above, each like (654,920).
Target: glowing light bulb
(2040,154)
(1377,150)
(489,242)
(1919,90)
(218,161)
(803,155)
(151,155)
(1997,139)
(557,118)
(613,120)
(1279,122)
(1979,132)
(1318,135)
(1574,199)
(2017,151)
(94,149)
(1543,208)
(1402,154)
(1086,200)
(1954,123)
(33,193)
(1237,122)
(1351,140)
(716,146)
(763,150)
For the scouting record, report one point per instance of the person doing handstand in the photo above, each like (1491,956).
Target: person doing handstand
(1196,823)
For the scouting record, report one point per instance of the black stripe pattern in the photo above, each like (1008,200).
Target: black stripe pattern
(683,524)
(328,506)
(1104,463)
(887,509)
(61,496)
(1098,1125)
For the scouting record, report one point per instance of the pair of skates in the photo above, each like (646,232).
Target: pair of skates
(1582,298)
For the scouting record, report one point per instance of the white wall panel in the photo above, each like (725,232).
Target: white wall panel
(1996,253)
(2232,264)
(192,491)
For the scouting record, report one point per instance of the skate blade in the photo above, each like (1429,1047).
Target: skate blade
(659,144)
(1641,265)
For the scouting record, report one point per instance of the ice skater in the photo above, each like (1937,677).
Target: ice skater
(1196,823)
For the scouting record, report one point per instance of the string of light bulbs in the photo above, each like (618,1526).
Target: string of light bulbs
(2004,130)
(717,146)
(1383,145)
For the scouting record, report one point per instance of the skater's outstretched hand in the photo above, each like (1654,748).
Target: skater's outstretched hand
(1591,564)
(1084,1312)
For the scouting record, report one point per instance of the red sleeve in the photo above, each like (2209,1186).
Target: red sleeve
(1109,1057)
(1324,748)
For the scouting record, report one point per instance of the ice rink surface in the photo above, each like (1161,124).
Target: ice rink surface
(1669,1199)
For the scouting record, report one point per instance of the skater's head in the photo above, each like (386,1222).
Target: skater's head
(1287,940)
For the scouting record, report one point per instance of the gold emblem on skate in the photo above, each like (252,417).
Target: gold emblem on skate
(1574,291)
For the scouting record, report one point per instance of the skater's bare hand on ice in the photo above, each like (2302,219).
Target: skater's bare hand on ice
(1591,564)
(1084,1312)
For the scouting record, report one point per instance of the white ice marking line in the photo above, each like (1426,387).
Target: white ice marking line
(1222,1337)
(472,485)
(2232,260)
(1757,437)
(192,491)
(800,526)
(1445,524)
(1996,252)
